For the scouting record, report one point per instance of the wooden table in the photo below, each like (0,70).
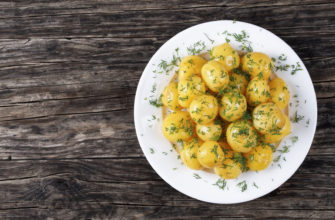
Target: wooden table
(68,75)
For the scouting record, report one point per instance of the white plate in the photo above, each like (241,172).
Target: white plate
(200,184)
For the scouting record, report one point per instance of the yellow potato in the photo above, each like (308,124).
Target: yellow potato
(210,154)
(215,75)
(284,131)
(259,157)
(190,65)
(203,109)
(189,154)
(188,89)
(170,96)
(279,92)
(209,132)
(228,169)
(268,118)
(226,55)
(241,136)
(257,65)
(233,105)
(258,91)
(178,126)
(228,152)
(238,82)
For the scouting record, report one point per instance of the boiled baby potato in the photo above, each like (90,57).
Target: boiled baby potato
(258,91)
(238,82)
(277,136)
(190,65)
(233,105)
(215,75)
(241,136)
(170,96)
(178,126)
(228,169)
(279,92)
(188,89)
(257,65)
(267,118)
(209,132)
(226,55)
(210,154)
(189,154)
(203,109)
(259,157)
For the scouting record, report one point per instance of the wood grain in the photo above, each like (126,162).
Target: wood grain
(68,76)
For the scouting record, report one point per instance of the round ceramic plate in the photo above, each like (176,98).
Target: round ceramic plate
(206,186)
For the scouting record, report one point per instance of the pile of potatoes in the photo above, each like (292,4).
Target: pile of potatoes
(225,112)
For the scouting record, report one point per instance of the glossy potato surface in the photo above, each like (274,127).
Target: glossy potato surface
(258,91)
(257,65)
(238,82)
(215,75)
(282,132)
(279,92)
(178,126)
(170,96)
(241,136)
(268,118)
(209,132)
(228,169)
(226,55)
(188,89)
(259,157)
(189,154)
(233,105)
(190,65)
(204,109)
(210,154)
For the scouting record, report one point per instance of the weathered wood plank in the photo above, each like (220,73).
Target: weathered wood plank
(107,134)
(21,8)
(161,22)
(49,185)
(125,212)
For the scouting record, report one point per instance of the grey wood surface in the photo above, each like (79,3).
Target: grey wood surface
(68,75)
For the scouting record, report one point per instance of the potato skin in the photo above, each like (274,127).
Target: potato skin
(231,167)
(238,82)
(209,132)
(284,131)
(170,96)
(190,65)
(215,75)
(189,154)
(178,126)
(233,105)
(279,92)
(258,91)
(257,65)
(204,109)
(267,118)
(210,154)
(226,55)
(259,158)
(188,89)
(228,169)
(241,136)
